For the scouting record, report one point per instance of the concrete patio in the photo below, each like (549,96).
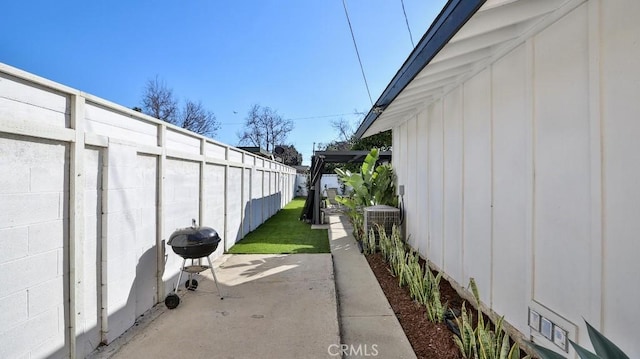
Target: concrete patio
(275,306)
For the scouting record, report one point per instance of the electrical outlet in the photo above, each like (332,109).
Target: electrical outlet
(546,328)
(534,320)
(560,337)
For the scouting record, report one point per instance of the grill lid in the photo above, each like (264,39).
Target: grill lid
(193,236)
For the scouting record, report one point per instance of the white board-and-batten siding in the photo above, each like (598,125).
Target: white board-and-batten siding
(525,177)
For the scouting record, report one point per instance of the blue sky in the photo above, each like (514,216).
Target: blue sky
(296,57)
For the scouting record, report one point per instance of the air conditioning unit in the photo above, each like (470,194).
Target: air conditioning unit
(385,216)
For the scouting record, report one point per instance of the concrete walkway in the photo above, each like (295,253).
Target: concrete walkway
(275,306)
(366,318)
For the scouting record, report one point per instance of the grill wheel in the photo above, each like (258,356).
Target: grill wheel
(172,301)
(191,284)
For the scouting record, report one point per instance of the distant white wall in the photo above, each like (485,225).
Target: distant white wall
(529,176)
(89,193)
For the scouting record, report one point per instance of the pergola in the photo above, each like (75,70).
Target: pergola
(312,205)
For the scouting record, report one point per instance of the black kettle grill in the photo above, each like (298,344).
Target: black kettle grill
(192,243)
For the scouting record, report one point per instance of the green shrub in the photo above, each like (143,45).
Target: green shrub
(482,342)
(371,186)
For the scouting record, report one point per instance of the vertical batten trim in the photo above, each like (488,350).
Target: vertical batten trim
(160,241)
(76,220)
(530,169)
(596,165)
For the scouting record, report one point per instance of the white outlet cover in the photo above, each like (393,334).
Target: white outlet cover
(560,337)
(546,328)
(534,320)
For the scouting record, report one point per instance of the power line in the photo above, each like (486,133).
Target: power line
(344,4)
(308,118)
(407,21)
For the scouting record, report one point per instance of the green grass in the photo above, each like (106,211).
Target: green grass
(284,233)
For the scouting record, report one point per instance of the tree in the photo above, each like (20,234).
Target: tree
(290,156)
(158,101)
(264,128)
(347,142)
(196,118)
(382,141)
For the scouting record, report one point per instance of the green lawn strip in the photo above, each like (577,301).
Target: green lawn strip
(284,233)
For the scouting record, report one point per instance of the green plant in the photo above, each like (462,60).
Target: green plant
(415,278)
(371,186)
(604,348)
(384,243)
(369,244)
(482,342)
(466,341)
(435,308)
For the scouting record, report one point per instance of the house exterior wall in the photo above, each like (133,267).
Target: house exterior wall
(89,193)
(526,178)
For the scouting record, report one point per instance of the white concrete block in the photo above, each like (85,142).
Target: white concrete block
(215,151)
(45,296)
(28,208)
(121,222)
(235,156)
(121,246)
(249,159)
(121,318)
(13,244)
(122,155)
(92,203)
(23,273)
(46,236)
(13,310)
(27,93)
(14,176)
(123,177)
(97,113)
(20,339)
(122,200)
(103,129)
(182,142)
(53,348)
(92,172)
(25,114)
(49,177)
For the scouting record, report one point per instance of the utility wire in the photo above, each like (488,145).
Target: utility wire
(308,118)
(407,21)
(344,4)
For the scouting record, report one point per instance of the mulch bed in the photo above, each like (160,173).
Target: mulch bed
(429,340)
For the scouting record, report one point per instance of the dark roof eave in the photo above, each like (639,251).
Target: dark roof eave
(451,19)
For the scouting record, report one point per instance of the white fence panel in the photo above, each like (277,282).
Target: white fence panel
(134,180)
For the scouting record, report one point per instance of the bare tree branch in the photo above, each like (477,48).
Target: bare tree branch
(158,101)
(195,118)
(264,128)
(345,131)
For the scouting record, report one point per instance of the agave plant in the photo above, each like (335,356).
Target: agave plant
(604,348)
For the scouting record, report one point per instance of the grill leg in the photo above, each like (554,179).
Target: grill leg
(180,275)
(214,277)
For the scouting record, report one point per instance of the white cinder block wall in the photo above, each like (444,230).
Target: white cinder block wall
(89,192)
(528,176)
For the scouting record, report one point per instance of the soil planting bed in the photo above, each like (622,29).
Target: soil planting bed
(429,340)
